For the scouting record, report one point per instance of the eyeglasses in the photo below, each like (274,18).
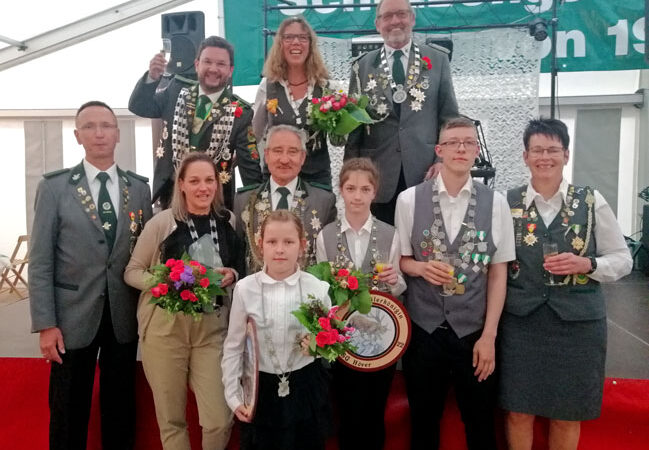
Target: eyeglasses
(94,126)
(302,38)
(537,152)
(455,145)
(402,14)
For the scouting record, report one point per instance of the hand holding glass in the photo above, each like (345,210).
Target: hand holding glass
(448,289)
(166,49)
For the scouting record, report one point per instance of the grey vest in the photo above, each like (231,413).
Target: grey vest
(384,237)
(465,313)
(526,289)
(317,164)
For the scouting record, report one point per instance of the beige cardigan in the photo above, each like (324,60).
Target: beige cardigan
(146,254)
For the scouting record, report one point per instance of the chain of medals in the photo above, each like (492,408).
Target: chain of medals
(194,234)
(263,206)
(567,212)
(469,251)
(399,93)
(184,113)
(342,261)
(283,388)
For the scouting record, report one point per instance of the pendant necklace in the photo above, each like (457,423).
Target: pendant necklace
(283,388)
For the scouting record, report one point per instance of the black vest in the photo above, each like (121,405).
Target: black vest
(526,289)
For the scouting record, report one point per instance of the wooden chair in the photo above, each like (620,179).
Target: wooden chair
(12,273)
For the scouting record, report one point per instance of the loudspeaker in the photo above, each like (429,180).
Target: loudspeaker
(643,253)
(186,30)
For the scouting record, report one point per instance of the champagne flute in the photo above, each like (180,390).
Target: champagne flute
(381,263)
(166,49)
(550,249)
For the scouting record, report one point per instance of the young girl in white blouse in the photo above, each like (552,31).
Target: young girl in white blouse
(361,241)
(292,409)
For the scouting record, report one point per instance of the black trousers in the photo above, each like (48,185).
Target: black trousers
(361,398)
(70,393)
(431,363)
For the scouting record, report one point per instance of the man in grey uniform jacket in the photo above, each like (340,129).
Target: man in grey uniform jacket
(315,206)
(86,221)
(411,94)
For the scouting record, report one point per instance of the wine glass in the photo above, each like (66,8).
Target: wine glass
(166,49)
(380,264)
(550,249)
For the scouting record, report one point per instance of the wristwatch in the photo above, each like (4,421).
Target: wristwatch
(593,265)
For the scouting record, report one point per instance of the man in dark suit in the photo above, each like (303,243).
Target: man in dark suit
(312,203)
(86,222)
(411,93)
(206,117)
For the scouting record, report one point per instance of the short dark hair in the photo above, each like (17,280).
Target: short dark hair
(216,41)
(94,103)
(552,128)
(457,122)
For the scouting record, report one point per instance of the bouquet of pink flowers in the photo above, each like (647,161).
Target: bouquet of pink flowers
(183,285)
(338,115)
(348,289)
(329,335)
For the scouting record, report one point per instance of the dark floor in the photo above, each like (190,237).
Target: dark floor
(627,304)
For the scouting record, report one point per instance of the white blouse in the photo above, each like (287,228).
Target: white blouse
(269,302)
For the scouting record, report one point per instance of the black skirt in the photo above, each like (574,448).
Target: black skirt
(551,367)
(299,421)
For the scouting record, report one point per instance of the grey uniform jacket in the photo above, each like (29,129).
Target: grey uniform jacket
(71,268)
(407,139)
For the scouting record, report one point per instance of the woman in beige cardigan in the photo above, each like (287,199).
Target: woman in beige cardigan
(177,350)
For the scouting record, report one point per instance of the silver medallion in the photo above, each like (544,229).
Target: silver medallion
(106,206)
(282,387)
(482,247)
(399,95)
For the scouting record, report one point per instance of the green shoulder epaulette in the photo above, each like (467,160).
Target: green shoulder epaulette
(249,187)
(241,101)
(326,187)
(55,173)
(137,177)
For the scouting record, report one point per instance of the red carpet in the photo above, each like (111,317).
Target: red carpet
(24,415)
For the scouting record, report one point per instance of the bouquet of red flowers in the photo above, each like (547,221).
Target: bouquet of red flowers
(329,335)
(348,289)
(183,285)
(338,115)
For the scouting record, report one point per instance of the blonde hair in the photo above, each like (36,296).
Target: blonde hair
(361,165)
(178,201)
(275,67)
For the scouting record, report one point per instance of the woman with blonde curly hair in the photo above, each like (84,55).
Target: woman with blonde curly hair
(294,73)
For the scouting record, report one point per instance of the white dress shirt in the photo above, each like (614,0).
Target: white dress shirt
(389,52)
(276,196)
(357,243)
(453,212)
(613,256)
(269,302)
(112,184)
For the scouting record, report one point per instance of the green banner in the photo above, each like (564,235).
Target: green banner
(591,34)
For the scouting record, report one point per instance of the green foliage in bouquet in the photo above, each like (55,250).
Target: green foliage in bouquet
(347,288)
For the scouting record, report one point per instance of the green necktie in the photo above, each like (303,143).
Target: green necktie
(398,74)
(203,106)
(106,210)
(283,202)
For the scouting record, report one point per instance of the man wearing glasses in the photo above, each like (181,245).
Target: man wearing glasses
(411,93)
(456,239)
(205,116)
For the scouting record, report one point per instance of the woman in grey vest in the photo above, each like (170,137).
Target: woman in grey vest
(294,73)
(553,328)
(361,241)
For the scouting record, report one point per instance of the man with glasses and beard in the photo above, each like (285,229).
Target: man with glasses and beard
(411,94)
(204,117)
